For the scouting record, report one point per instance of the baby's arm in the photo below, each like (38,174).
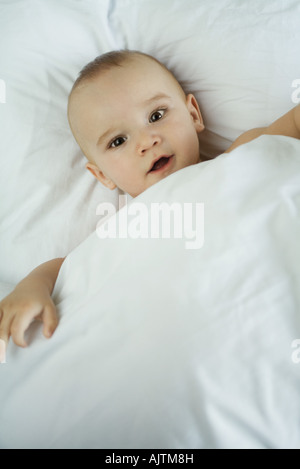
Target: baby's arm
(30,299)
(288,125)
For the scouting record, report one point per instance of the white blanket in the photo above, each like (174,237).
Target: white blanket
(161,346)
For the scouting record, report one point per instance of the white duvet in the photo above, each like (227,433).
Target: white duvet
(160,346)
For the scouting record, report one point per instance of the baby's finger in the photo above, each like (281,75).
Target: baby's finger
(50,320)
(19,326)
(2,351)
(5,325)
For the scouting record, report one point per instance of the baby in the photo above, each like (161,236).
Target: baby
(136,126)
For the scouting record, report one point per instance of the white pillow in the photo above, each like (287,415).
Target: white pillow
(48,199)
(238,58)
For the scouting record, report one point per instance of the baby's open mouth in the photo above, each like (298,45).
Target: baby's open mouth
(161,163)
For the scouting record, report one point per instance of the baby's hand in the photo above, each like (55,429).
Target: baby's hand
(17,311)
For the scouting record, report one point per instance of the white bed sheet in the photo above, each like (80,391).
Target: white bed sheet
(160,346)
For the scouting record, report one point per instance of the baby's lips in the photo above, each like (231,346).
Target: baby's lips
(2,351)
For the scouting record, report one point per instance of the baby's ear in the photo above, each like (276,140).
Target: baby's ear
(98,174)
(195,113)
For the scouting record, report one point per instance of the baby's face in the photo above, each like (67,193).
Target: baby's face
(135,125)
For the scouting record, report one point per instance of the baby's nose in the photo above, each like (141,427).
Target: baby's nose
(147,141)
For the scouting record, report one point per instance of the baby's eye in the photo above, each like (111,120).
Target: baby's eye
(155,116)
(117,142)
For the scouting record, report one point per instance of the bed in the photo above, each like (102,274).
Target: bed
(174,342)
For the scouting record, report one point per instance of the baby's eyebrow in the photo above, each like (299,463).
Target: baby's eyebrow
(105,135)
(156,98)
